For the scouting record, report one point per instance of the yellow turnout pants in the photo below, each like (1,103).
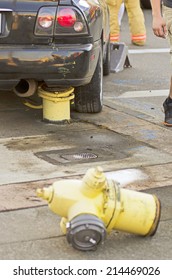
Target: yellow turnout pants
(135,17)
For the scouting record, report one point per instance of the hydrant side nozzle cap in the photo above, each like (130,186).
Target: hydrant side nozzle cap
(45,193)
(39,192)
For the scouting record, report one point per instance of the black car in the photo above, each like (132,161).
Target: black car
(59,43)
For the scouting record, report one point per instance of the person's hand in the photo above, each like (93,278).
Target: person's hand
(159,27)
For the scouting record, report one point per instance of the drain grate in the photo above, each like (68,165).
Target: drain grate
(79,156)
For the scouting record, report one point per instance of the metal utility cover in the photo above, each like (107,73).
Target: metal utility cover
(71,150)
(91,146)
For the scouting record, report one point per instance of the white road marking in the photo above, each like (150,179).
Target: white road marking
(144,93)
(134,51)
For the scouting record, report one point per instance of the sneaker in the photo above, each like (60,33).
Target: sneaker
(168,113)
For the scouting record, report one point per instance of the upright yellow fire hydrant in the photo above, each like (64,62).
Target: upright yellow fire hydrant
(93,206)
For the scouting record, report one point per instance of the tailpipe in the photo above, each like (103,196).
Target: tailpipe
(26,88)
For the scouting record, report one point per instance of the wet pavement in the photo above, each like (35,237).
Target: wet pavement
(128,135)
(30,231)
(34,234)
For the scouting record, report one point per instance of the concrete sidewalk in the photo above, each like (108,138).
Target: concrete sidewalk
(30,231)
(34,234)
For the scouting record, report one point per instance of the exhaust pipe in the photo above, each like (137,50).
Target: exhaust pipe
(26,88)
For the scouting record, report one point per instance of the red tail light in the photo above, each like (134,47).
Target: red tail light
(66,17)
(60,21)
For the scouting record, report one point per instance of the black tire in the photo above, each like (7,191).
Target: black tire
(145,4)
(89,98)
(106,63)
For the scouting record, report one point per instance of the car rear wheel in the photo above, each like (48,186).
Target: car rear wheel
(89,98)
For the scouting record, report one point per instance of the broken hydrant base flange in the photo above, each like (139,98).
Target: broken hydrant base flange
(56,104)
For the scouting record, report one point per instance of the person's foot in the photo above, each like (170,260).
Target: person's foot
(138,43)
(168,112)
(138,39)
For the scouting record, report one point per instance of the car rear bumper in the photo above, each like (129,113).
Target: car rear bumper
(55,65)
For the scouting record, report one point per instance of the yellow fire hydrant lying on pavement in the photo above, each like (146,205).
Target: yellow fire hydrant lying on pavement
(93,206)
